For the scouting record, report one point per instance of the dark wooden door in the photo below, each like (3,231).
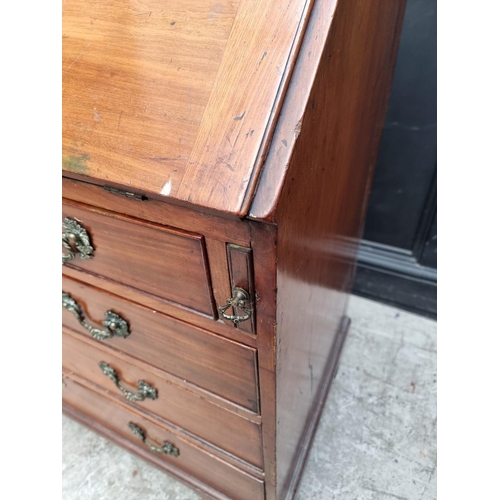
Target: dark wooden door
(397,260)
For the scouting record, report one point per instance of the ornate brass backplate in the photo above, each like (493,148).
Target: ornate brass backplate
(113,323)
(76,241)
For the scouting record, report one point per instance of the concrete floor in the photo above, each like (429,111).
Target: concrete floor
(376,439)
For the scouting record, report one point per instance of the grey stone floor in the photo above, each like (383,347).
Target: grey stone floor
(376,439)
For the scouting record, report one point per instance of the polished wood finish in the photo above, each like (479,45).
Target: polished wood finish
(218,365)
(264,241)
(195,464)
(321,209)
(247,134)
(176,403)
(168,308)
(174,268)
(244,100)
(221,227)
(119,57)
(224,69)
(216,232)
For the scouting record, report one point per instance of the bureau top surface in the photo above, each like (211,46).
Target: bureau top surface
(175,98)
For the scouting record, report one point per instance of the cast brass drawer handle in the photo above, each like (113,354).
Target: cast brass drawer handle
(76,240)
(165,449)
(113,323)
(237,301)
(144,389)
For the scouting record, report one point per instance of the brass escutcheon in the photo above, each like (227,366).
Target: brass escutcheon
(75,240)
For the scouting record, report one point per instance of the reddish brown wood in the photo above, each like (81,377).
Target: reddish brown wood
(321,208)
(194,464)
(175,403)
(162,100)
(306,437)
(172,267)
(289,124)
(160,305)
(221,280)
(241,273)
(284,134)
(264,251)
(120,123)
(222,227)
(209,361)
(224,162)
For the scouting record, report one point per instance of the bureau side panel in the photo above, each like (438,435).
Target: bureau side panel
(320,215)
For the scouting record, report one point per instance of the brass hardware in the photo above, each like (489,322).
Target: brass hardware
(113,323)
(127,194)
(76,240)
(144,389)
(166,448)
(237,301)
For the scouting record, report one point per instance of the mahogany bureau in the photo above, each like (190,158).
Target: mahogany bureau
(217,156)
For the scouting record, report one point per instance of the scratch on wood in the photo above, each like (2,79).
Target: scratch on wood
(240,117)
(78,57)
(237,137)
(223,160)
(262,58)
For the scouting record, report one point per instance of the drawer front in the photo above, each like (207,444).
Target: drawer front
(207,360)
(178,405)
(192,460)
(166,263)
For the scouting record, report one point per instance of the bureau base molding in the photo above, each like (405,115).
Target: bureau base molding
(317,409)
(180,475)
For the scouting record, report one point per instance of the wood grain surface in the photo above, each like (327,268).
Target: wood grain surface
(208,361)
(218,227)
(137,76)
(158,260)
(110,417)
(264,241)
(321,208)
(268,112)
(175,402)
(175,100)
